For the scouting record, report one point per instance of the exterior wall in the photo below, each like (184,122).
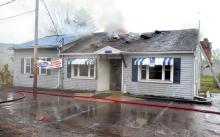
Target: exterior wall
(198,62)
(183,90)
(76,83)
(24,80)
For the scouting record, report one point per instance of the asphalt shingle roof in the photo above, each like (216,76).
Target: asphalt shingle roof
(158,41)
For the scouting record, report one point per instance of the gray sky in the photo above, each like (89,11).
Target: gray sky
(133,15)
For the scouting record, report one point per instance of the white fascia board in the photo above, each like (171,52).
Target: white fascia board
(69,54)
(168,52)
(129,53)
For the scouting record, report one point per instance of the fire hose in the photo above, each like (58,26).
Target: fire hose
(15,99)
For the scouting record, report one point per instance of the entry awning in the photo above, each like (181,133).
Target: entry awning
(87,61)
(151,61)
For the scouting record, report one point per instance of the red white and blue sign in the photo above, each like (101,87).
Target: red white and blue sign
(49,64)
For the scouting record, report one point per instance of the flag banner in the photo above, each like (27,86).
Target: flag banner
(49,64)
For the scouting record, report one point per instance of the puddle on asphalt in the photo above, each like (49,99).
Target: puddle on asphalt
(70,117)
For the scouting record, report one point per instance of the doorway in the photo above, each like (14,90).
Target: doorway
(115,74)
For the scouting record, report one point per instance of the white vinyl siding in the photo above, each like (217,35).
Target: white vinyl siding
(184,89)
(88,84)
(25,80)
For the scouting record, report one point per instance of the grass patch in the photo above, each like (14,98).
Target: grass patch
(208,84)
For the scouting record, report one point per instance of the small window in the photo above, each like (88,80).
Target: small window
(167,72)
(27,65)
(92,70)
(155,72)
(75,70)
(144,72)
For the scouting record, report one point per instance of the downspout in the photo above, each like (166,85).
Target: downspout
(60,76)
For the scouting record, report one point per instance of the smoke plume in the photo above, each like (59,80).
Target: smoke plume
(81,17)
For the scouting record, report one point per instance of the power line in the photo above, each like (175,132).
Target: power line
(7,3)
(21,14)
(50,17)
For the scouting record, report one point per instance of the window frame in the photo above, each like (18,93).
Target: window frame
(78,72)
(162,80)
(25,65)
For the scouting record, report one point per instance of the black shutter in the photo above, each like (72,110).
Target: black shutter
(22,65)
(32,65)
(177,70)
(68,69)
(134,71)
(48,70)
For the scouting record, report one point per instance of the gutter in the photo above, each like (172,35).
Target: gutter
(129,53)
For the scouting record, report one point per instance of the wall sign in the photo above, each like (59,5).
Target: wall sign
(49,64)
(108,51)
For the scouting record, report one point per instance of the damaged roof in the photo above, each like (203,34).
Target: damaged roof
(47,42)
(158,41)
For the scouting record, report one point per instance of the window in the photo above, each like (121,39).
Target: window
(155,73)
(92,70)
(143,72)
(83,71)
(42,71)
(27,65)
(167,72)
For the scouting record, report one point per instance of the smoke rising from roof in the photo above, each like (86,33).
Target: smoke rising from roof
(82,17)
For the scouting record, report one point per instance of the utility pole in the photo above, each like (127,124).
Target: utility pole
(35,48)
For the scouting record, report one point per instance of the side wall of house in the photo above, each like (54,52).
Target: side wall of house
(24,80)
(198,62)
(185,89)
(77,83)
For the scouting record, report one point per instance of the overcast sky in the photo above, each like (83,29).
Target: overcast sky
(134,15)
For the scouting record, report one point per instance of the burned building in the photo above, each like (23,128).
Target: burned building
(160,63)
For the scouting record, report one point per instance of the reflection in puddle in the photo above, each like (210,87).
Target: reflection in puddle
(69,117)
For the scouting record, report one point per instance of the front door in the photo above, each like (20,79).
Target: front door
(115,74)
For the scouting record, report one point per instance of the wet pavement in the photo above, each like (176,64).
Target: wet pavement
(49,116)
(9,96)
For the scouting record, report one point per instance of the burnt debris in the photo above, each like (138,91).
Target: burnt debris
(150,35)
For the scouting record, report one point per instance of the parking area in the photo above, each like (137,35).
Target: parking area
(47,116)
